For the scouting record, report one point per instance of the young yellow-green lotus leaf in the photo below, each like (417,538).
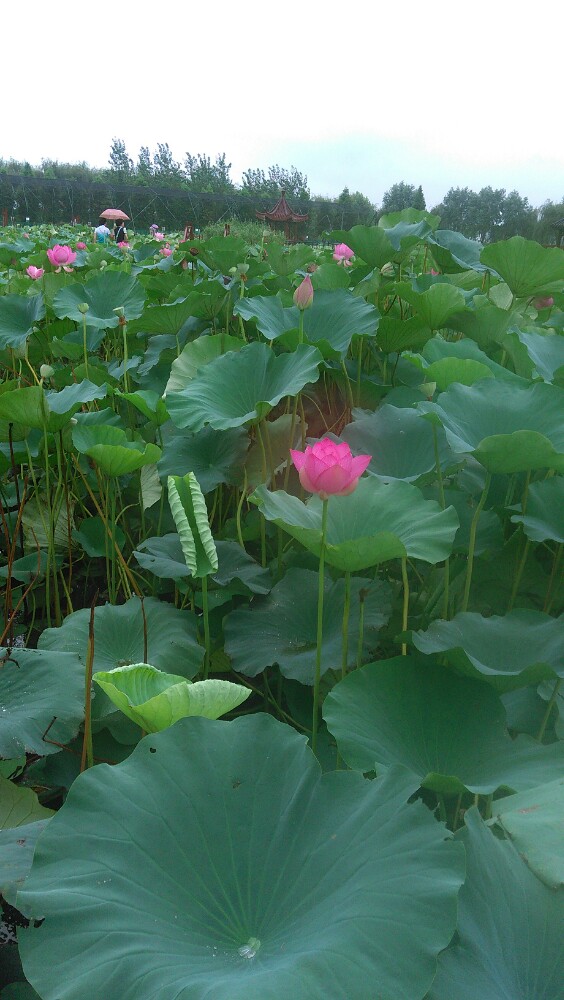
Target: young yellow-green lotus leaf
(526,266)
(155,700)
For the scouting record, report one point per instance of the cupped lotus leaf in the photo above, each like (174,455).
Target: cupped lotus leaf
(163,556)
(378,522)
(281,628)
(37,686)
(448,370)
(63,404)
(112,450)
(188,508)
(290,895)
(448,730)
(120,632)
(396,335)
(400,442)
(404,236)
(220,253)
(368,242)
(485,323)
(18,315)
(546,351)
(285,260)
(330,275)
(534,822)
(197,354)
(509,942)
(155,700)
(544,519)
(508,428)
(438,349)
(148,402)
(169,318)
(526,266)
(213,456)
(512,650)
(453,252)
(237,389)
(26,406)
(268,312)
(411,215)
(103,293)
(435,305)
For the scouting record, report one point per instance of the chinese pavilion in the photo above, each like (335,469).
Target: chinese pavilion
(282,216)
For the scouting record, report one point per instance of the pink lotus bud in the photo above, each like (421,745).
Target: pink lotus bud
(159,236)
(343,254)
(303,296)
(166,251)
(61,256)
(34,272)
(329,469)
(434,272)
(543,303)
(81,246)
(123,244)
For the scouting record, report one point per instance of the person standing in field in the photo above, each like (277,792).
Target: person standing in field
(101,232)
(120,232)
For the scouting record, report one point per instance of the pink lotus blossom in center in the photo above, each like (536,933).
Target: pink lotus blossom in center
(329,469)
(61,257)
(166,251)
(343,254)
(34,272)
(81,246)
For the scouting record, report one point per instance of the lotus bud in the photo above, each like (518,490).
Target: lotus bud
(46,371)
(83,307)
(119,311)
(242,269)
(387,269)
(303,296)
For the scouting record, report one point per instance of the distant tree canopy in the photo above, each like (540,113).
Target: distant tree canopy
(203,190)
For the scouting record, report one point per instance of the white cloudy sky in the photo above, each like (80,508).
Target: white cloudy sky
(441,93)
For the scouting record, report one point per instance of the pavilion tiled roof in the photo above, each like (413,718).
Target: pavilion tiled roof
(282,212)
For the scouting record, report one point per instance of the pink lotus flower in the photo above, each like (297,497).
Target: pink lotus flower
(25,236)
(123,244)
(433,272)
(34,272)
(81,246)
(166,251)
(543,303)
(159,236)
(329,469)
(61,257)
(303,296)
(343,254)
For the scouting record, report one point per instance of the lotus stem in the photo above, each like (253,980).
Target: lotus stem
(472,541)
(206,617)
(549,708)
(442,502)
(320,596)
(554,571)
(405,612)
(345,628)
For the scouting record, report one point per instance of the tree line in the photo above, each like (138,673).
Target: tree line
(203,188)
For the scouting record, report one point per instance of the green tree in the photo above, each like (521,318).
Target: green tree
(144,166)
(165,168)
(267,187)
(549,229)
(121,165)
(401,196)
(205,176)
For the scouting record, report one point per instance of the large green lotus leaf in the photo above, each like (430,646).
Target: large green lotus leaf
(63,404)
(436,304)
(545,511)
(195,355)
(164,557)
(19,806)
(509,943)
(103,293)
(453,252)
(396,335)
(282,628)
(404,236)
(119,636)
(35,687)
(411,215)
(438,349)
(93,537)
(512,650)
(26,406)
(330,275)
(279,440)
(220,253)
(485,323)
(378,522)
(155,700)
(400,442)
(148,402)
(269,314)
(236,389)
(18,315)
(508,428)
(19,991)
(213,456)
(112,450)
(218,861)
(534,821)
(286,260)
(448,730)
(169,318)
(546,351)
(526,266)
(368,242)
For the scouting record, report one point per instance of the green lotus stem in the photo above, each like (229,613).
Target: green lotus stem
(301,328)
(239,509)
(262,520)
(555,565)
(525,497)
(405,611)
(126,385)
(349,394)
(359,369)
(519,574)
(472,541)
(549,708)
(345,628)
(206,616)
(292,432)
(443,506)
(320,596)
(84,347)
(87,759)
(360,644)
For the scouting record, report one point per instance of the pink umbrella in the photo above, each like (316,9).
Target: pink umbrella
(113,213)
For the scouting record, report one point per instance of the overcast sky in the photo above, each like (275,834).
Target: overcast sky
(364,94)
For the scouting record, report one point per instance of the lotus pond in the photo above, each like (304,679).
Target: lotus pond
(277,719)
